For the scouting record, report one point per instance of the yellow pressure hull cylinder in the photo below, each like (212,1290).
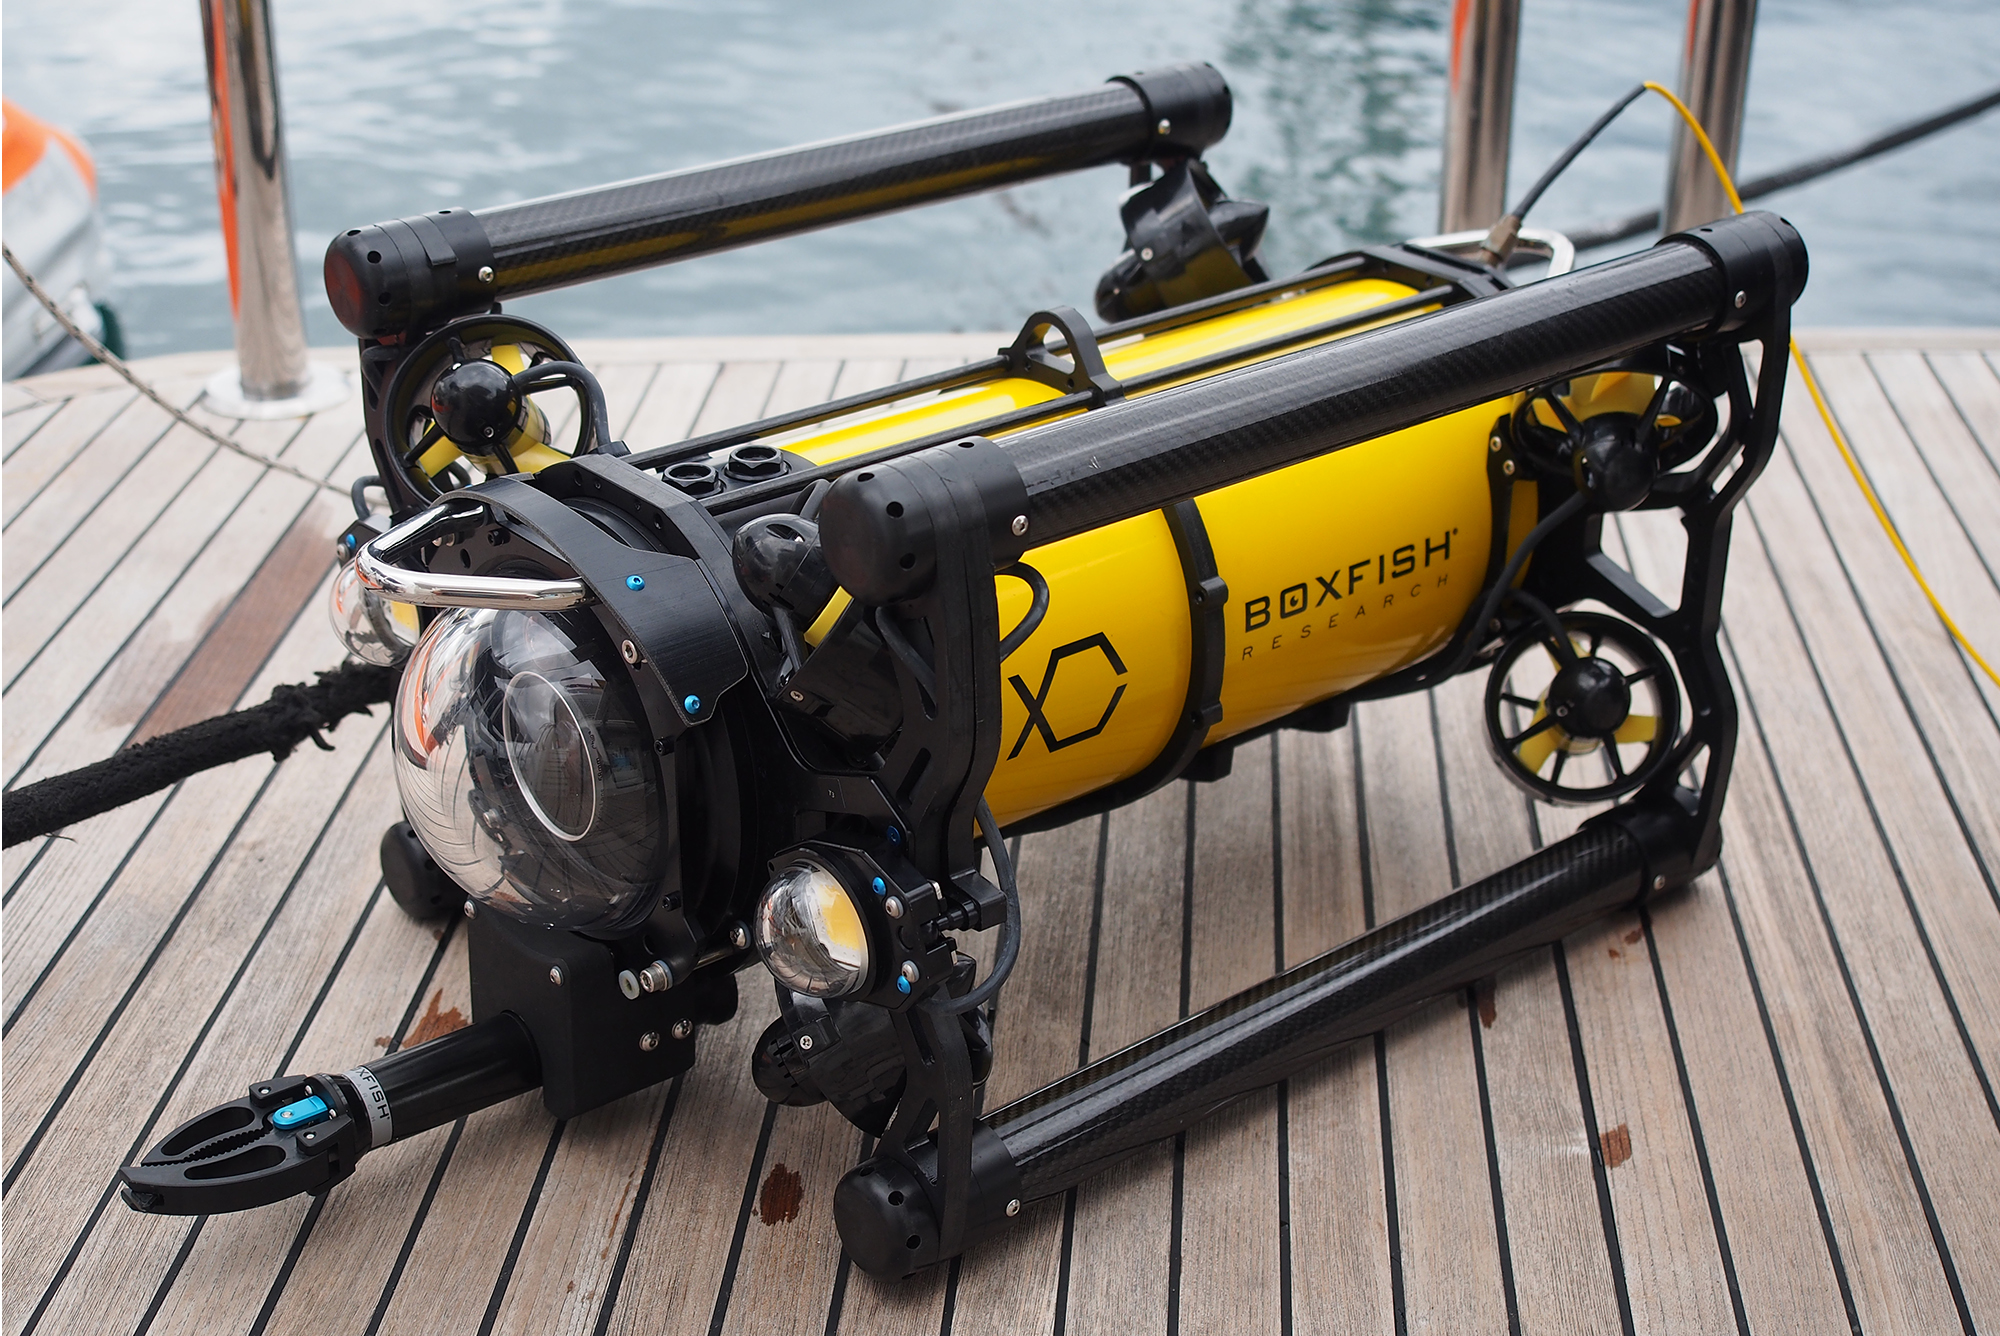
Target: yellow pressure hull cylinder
(1339,571)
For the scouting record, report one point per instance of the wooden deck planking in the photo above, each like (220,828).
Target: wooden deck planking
(1452,1266)
(1342,1276)
(1121,1225)
(1875,1211)
(21,421)
(118,695)
(74,425)
(1232,1273)
(1796,1051)
(1558,1251)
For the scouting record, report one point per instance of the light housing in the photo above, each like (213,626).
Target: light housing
(811,933)
(374,629)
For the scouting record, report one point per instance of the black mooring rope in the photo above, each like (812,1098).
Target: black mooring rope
(293,714)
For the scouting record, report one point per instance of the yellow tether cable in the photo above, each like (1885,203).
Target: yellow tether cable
(1825,413)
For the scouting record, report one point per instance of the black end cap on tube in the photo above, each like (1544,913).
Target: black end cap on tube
(390,278)
(1188,106)
(1763,263)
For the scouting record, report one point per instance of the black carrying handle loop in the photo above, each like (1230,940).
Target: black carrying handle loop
(1029,358)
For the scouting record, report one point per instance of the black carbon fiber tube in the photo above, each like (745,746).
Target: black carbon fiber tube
(411,273)
(1163,1085)
(459,1073)
(1098,468)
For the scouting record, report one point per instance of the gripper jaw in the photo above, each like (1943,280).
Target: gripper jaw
(290,1135)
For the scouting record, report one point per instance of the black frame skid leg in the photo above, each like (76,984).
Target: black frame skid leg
(1047,1142)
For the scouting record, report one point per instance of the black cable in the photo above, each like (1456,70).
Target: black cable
(1417,676)
(1560,165)
(1499,243)
(809,504)
(1003,865)
(293,714)
(358,493)
(1037,609)
(790,641)
(900,646)
(1010,931)
(1637,224)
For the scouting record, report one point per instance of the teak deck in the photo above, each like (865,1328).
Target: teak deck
(1764,1105)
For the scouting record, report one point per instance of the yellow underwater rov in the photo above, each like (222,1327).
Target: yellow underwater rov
(768,695)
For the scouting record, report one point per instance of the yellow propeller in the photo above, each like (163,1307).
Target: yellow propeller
(1535,750)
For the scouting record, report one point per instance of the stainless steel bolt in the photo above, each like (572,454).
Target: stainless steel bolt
(1494,445)
(310,1136)
(485,273)
(649,1041)
(909,970)
(1166,126)
(805,1043)
(798,695)
(470,907)
(555,975)
(1146,254)
(1020,525)
(656,977)
(1507,467)
(893,907)
(1659,883)
(739,936)
(1014,1206)
(683,1028)
(1741,298)
(630,651)
(263,1092)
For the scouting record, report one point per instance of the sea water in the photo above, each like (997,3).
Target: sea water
(393,107)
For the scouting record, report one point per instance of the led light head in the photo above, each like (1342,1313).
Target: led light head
(373,629)
(810,933)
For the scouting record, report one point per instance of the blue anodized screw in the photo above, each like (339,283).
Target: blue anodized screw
(692,704)
(635,582)
(880,887)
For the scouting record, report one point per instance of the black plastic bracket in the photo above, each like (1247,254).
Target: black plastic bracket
(1029,358)
(596,1042)
(661,604)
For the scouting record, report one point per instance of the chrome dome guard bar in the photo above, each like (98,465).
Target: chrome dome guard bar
(380,569)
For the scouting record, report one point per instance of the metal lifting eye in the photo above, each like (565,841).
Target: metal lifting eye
(1585,716)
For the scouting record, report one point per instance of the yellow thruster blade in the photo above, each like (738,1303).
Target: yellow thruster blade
(1535,751)
(439,457)
(1637,728)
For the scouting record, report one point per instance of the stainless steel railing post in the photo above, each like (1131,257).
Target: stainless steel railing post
(1715,71)
(1479,113)
(273,377)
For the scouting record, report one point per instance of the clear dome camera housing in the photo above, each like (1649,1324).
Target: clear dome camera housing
(527,769)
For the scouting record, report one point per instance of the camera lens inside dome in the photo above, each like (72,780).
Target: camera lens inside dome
(550,754)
